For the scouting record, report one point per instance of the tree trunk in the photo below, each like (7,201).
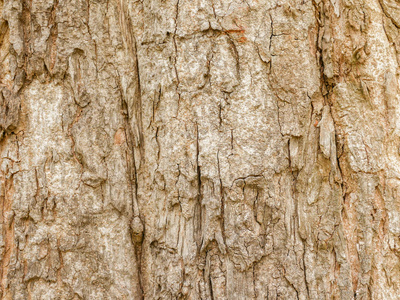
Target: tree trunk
(199,149)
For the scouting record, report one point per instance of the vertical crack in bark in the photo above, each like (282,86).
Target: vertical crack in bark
(326,89)
(272,32)
(319,54)
(304,269)
(138,98)
(130,42)
(176,58)
(136,224)
(199,205)
(52,40)
(222,202)
(26,27)
(71,137)
(209,277)
(235,55)
(254,280)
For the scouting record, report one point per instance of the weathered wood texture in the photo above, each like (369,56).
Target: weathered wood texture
(199,149)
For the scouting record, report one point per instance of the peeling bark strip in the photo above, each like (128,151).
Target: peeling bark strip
(199,149)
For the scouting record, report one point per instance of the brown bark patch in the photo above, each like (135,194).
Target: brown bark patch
(119,137)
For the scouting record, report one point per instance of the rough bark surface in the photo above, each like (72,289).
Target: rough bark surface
(199,149)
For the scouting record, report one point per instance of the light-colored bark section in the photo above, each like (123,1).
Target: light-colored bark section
(204,149)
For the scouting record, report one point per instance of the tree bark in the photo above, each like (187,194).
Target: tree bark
(202,149)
